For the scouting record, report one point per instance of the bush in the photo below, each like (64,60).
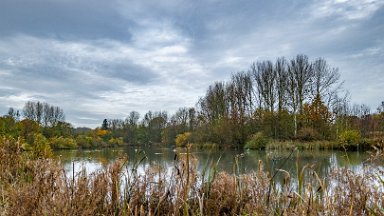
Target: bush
(182,139)
(350,137)
(308,134)
(84,141)
(116,141)
(63,143)
(257,141)
(40,147)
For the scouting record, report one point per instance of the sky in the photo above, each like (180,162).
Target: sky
(104,59)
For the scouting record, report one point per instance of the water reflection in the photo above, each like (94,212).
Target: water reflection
(247,161)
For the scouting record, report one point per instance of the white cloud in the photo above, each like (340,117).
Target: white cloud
(369,52)
(159,59)
(346,9)
(16,100)
(162,55)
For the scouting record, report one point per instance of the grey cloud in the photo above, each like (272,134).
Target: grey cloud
(4,92)
(106,58)
(127,72)
(62,19)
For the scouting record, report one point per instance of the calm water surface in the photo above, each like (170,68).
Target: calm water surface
(247,161)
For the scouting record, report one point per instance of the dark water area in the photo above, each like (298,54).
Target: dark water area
(229,160)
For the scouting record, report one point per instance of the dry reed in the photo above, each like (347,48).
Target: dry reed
(41,187)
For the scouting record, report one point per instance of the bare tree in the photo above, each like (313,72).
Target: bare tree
(39,111)
(213,106)
(29,111)
(325,83)
(48,114)
(239,92)
(300,72)
(258,88)
(267,81)
(281,82)
(192,118)
(58,116)
(181,118)
(133,118)
(43,113)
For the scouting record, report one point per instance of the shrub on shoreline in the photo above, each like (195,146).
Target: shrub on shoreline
(350,137)
(63,143)
(257,141)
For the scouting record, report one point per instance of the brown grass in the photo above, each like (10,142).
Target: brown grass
(41,187)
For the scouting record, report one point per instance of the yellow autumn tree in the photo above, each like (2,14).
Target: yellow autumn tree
(101,132)
(182,139)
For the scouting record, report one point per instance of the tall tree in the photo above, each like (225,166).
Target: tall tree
(281,82)
(213,106)
(325,82)
(300,72)
(192,118)
(105,125)
(133,118)
(43,113)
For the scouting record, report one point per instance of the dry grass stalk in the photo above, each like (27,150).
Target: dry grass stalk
(41,187)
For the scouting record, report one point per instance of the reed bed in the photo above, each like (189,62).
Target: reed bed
(41,187)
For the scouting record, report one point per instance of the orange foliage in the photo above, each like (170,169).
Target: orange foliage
(317,112)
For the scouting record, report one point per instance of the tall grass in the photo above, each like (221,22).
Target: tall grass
(41,187)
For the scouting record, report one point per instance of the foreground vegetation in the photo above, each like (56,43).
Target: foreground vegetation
(33,185)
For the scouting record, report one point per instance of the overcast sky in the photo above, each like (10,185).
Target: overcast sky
(103,59)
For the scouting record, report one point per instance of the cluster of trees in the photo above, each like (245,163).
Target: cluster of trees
(42,127)
(290,99)
(36,117)
(286,99)
(43,113)
(136,132)
(153,128)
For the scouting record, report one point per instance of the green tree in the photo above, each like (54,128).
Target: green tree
(105,125)
(40,147)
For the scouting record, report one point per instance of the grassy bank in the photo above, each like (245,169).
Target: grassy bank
(347,141)
(301,145)
(361,145)
(42,187)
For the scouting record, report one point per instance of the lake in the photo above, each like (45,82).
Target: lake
(247,161)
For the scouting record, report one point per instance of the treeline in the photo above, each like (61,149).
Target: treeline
(286,99)
(153,128)
(296,99)
(289,99)
(42,127)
